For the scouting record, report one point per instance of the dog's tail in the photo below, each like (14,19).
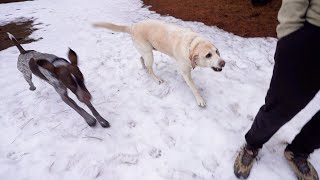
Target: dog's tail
(113,27)
(16,43)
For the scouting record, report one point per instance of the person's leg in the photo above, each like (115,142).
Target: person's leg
(309,137)
(294,83)
(302,146)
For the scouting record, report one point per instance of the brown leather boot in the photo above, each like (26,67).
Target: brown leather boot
(302,168)
(244,161)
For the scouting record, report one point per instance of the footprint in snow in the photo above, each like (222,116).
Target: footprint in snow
(176,174)
(169,140)
(73,161)
(210,164)
(132,124)
(92,170)
(235,108)
(155,153)
(129,159)
(160,91)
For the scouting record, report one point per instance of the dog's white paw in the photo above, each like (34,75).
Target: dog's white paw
(201,102)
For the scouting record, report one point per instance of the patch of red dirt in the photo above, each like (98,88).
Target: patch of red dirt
(21,28)
(239,17)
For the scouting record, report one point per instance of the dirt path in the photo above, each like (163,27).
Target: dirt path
(239,17)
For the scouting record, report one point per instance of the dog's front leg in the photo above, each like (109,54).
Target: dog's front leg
(89,119)
(186,73)
(101,120)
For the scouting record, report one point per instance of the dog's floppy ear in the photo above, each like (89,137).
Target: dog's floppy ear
(194,54)
(193,57)
(73,57)
(46,65)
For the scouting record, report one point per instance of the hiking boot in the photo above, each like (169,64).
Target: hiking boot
(302,168)
(244,161)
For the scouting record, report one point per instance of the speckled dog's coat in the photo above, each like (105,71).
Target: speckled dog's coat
(61,74)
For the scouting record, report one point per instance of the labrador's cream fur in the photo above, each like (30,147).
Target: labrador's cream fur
(185,46)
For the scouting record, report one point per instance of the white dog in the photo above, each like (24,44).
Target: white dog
(187,47)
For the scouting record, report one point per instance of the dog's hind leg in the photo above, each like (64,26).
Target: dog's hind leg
(101,120)
(148,61)
(27,74)
(87,117)
(145,49)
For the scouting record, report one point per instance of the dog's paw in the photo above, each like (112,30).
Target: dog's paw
(104,123)
(201,102)
(91,121)
(32,88)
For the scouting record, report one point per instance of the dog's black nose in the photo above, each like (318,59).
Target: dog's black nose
(222,63)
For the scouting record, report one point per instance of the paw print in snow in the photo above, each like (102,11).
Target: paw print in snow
(155,153)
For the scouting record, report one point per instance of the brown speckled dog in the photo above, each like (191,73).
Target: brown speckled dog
(61,74)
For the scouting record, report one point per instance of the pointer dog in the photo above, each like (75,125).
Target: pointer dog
(61,74)
(187,47)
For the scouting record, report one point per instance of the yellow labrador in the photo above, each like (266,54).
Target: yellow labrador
(187,47)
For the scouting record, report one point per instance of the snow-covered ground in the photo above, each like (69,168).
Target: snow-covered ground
(158,132)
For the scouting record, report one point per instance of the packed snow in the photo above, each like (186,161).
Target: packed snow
(157,131)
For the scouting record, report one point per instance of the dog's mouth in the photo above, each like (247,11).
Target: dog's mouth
(216,69)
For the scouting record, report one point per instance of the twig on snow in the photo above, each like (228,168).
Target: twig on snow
(56,126)
(16,138)
(36,133)
(26,123)
(50,167)
(92,137)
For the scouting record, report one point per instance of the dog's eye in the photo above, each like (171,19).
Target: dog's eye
(217,51)
(208,55)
